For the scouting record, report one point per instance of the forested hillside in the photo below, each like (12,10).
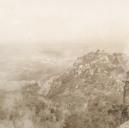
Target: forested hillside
(88,94)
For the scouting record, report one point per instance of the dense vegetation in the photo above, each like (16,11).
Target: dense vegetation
(87,95)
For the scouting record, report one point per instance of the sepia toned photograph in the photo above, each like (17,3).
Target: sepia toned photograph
(64,64)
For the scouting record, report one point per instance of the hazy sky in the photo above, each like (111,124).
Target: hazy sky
(64,21)
(63,29)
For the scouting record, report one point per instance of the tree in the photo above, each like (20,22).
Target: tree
(123,107)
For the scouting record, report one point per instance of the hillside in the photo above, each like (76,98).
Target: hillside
(94,71)
(90,88)
(89,94)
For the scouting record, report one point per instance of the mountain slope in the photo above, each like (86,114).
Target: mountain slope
(91,87)
(96,70)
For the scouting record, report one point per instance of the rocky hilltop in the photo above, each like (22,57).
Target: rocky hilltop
(90,88)
(95,71)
